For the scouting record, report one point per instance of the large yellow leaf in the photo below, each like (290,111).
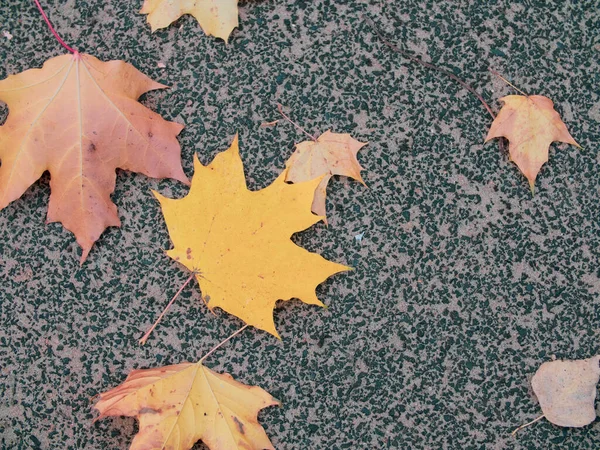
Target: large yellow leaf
(216,17)
(181,404)
(78,118)
(530,124)
(331,154)
(238,241)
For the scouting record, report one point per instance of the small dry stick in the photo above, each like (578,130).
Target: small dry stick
(151,329)
(216,347)
(429,66)
(280,109)
(508,82)
(269,124)
(527,424)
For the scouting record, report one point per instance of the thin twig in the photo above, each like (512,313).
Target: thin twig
(507,82)
(280,109)
(58,38)
(428,65)
(151,329)
(216,347)
(527,424)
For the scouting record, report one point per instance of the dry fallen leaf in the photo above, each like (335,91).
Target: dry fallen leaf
(181,404)
(530,124)
(238,241)
(216,17)
(78,118)
(331,154)
(566,391)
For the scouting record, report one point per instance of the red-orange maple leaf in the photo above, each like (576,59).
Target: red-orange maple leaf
(79,118)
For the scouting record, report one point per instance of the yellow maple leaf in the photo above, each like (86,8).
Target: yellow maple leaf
(79,118)
(331,154)
(181,404)
(531,124)
(216,17)
(238,241)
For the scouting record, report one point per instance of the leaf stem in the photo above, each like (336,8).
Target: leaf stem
(507,82)
(145,337)
(216,347)
(428,65)
(527,424)
(58,38)
(280,109)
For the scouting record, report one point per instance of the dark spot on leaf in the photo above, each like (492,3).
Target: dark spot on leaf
(91,147)
(188,253)
(239,425)
(147,410)
(150,134)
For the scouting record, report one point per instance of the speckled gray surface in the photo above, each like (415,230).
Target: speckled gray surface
(464,283)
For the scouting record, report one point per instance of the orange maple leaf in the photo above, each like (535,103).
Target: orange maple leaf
(181,404)
(530,124)
(331,154)
(79,118)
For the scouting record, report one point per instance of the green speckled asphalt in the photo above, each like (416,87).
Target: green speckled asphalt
(463,283)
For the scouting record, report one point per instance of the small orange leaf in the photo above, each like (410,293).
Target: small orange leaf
(331,154)
(238,241)
(530,124)
(216,17)
(181,404)
(78,118)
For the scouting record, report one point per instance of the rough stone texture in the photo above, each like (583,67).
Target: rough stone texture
(464,283)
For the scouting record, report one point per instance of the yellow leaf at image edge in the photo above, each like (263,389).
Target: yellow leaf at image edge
(216,17)
(238,241)
(181,404)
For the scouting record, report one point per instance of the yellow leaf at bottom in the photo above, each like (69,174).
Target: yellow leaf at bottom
(238,241)
(181,404)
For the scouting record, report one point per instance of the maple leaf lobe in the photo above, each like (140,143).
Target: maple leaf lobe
(240,240)
(79,118)
(531,124)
